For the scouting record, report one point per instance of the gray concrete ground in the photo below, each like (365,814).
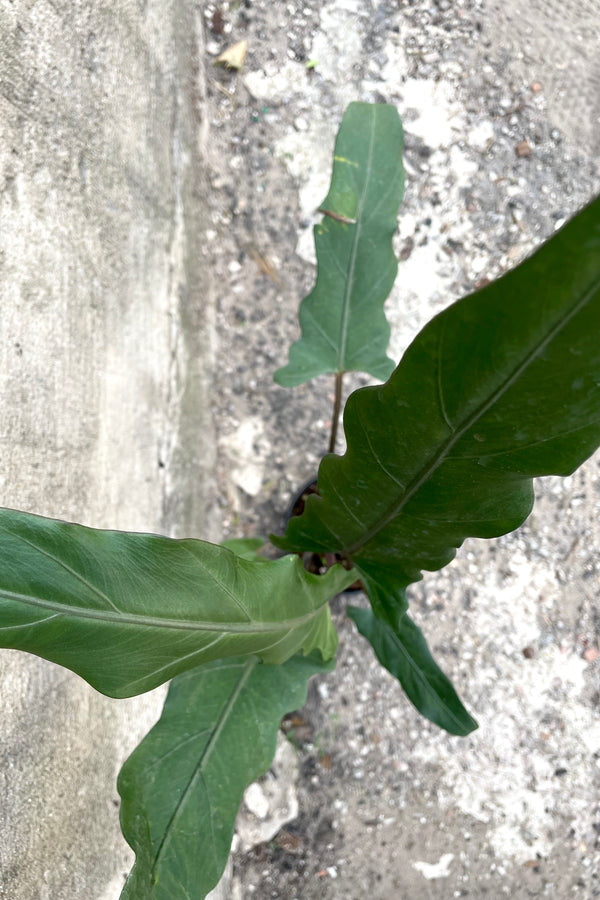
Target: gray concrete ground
(500,105)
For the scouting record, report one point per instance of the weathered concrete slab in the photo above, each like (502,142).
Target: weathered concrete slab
(105,323)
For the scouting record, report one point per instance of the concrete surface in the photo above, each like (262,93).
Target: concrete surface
(389,806)
(559,41)
(105,367)
(97,213)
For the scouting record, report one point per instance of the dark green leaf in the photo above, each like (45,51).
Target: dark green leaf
(182,786)
(404,652)
(501,387)
(343,324)
(129,611)
(388,604)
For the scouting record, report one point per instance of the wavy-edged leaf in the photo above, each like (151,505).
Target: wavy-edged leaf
(127,612)
(343,324)
(182,785)
(502,386)
(403,651)
(247,548)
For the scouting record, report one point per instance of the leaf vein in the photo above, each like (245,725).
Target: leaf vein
(439,379)
(30,624)
(180,659)
(528,446)
(63,565)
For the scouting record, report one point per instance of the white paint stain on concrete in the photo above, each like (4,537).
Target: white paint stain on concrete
(432,112)
(432,871)
(249,450)
(499,778)
(271,802)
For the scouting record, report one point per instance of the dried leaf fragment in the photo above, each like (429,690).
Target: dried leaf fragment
(233,57)
(337,216)
(264,263)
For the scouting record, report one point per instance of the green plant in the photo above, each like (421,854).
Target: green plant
(502,386)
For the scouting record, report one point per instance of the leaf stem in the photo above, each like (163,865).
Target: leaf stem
(336,411)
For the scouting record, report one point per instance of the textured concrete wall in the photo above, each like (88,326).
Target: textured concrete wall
(104,374)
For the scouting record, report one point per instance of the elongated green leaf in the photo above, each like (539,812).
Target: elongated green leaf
(182,786)
(404,652)
(247,548)
(129,611)
(343,324)
(501,387)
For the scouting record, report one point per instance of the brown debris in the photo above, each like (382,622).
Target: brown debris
(288,842)
(217,25)
(264,264)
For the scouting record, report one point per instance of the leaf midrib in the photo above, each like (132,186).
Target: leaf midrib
(112,618)
(424,474)
(247,670)
(354,251)
(424,680)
